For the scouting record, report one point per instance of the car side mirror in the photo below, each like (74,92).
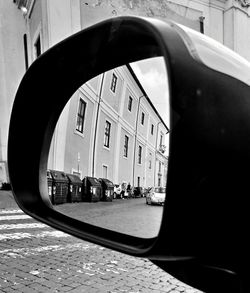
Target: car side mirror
(202,235)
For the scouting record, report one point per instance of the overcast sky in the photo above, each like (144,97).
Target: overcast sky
(152,75)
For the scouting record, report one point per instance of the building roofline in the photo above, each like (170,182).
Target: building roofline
(145,94)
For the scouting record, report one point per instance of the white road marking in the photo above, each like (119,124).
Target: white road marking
(56,234)
(17,211)
(16,217)
(34,272)
(22,226)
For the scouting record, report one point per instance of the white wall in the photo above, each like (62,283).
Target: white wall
(63,18)
(12,68)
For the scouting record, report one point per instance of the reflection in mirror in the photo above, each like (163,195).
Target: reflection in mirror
(108,157)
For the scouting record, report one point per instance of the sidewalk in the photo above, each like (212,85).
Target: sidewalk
(7,200)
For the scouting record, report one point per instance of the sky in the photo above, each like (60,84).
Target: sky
(153,77)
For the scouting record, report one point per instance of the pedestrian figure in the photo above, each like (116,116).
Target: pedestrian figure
(129,190)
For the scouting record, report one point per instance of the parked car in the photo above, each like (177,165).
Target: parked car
(156,196)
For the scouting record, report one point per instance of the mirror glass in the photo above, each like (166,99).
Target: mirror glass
(108,157)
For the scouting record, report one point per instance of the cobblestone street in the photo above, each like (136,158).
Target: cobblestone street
(131,217)
(37,258)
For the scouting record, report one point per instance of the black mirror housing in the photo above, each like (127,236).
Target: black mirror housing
(205,216)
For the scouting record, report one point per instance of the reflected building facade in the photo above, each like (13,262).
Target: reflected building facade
(30,27)
(111,129)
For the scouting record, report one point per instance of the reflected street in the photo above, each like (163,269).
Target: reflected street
(129,216)
(111,141)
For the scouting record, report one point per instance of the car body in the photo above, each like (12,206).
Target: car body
(156,196)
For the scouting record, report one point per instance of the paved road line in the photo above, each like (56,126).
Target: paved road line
(16,211)
(16,217)
(22,226)
(15,236)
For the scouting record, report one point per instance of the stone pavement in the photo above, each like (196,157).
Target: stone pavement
(36,258)
(7,200)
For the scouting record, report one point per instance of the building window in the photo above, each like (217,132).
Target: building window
(77,173)
(138,181)
(142,118)
(113,83)
(152,129)
(150,161)
(139,154)
(107,134)
(37,46)
(104,171)
(81,116)
(130,100)
(159,180)
(161,140)
(126,146)
(201,19)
